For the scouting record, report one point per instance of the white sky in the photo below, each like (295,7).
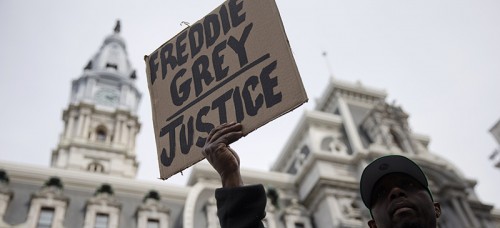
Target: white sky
(440,60)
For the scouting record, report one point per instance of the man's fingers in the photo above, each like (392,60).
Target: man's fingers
(232,137)
(215,130)
(222,130)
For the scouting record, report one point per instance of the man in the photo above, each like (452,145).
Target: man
(393,188)
(396,192)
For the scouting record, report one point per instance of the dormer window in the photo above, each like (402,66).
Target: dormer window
(111,65)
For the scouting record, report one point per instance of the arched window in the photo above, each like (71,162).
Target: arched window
(101,134)
(103,209)
(333,144)
(48,205)
(95,167)
(152,213)
(326,143)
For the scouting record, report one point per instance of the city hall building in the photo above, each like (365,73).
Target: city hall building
(91,181)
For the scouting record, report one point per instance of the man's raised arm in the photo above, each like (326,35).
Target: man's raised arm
(238,206)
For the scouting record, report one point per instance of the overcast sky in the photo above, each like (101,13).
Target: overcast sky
(439,60)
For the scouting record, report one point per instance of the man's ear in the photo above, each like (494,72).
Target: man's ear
(372,224)
(437,209)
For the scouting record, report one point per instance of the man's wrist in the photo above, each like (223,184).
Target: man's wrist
(232,180)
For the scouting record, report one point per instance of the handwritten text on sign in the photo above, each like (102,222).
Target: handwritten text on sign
(233,65)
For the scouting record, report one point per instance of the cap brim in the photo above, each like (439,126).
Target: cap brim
(387,165)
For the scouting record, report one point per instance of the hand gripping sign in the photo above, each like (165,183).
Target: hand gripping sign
(233,65)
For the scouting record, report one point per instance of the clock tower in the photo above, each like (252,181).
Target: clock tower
(100,122)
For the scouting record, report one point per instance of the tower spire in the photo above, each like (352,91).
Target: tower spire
(330,71)
(117,26)
(101,122)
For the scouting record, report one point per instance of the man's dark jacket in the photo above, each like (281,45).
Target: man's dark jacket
(241,207)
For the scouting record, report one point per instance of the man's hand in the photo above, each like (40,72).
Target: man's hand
(221,157)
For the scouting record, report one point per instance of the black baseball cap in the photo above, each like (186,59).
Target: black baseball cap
(387,165)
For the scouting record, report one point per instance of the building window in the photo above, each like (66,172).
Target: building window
(103,209)
(101,220)
(46,217)
(333,144)
(153,223)
(95,167)
(299,225)
(47,205)
(74,130)
(296,215)
(326,143)
(111,65)
(101,134)
(152,213)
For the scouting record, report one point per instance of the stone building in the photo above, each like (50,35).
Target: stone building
(313,183)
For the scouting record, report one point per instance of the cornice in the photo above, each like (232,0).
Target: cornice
(338,87)
(203,170)
(83,181)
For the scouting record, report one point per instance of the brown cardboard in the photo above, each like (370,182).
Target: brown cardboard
(242,62)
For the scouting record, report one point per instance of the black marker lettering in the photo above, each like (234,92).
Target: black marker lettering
(167,58)
(239,45)
(220,104)
(187,143)
(200,72)
(202,126)
(170,130)
(180,46)
(234,9)
(218,60)
(238,105)
(153,66)
(211,25)
(165,159)
(195,39)
(224,18)
(181,95)
(247,97)
(268,84)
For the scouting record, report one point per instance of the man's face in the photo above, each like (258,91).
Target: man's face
(398,200)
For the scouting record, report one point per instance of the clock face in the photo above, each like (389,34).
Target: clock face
(106,96)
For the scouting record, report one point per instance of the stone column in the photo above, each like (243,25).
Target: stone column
(86,125)
(350,126)
(461,215)
(117,130)
(70,125)
(131,140)
(79,125)
(470,214)
(124,131)
(4,201)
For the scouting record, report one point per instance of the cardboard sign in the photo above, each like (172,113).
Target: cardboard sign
(233,65)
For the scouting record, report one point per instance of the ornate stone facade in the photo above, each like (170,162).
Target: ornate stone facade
(313,183)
